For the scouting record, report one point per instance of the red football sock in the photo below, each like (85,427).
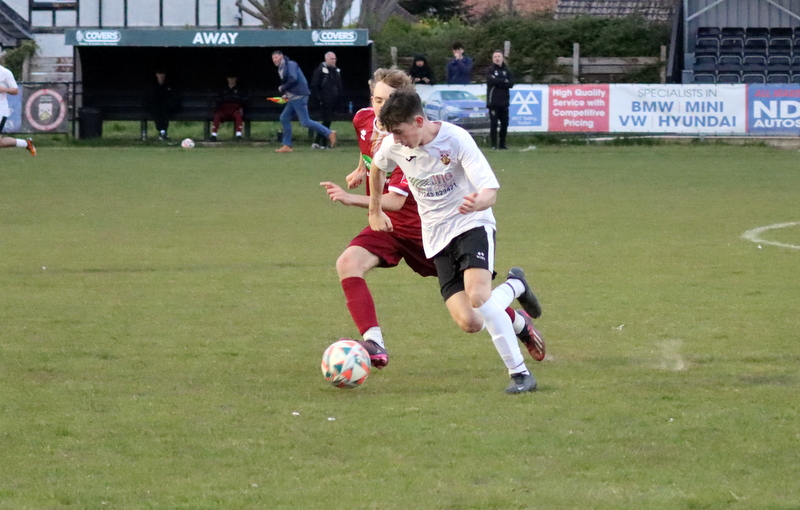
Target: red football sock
(360,303)
(511,314)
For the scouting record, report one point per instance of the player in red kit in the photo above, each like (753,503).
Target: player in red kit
(370,249)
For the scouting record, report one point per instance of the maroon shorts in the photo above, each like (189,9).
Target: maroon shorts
(391,249)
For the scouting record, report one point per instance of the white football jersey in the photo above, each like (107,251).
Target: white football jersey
(6,80)
(440,174)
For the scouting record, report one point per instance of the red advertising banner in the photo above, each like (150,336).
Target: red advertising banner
(579,108)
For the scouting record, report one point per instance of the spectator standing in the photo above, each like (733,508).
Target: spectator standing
(8,85)
(498,83)
(420,71)
(230,106)
(162,103)
(326,87)
(459,69)
(294,89)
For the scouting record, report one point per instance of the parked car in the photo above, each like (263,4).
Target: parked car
(458,107)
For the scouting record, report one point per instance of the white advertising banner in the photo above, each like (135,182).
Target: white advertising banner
(694,109)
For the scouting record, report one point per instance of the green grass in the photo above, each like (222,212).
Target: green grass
(163,313)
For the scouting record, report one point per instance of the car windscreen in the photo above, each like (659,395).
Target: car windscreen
(457,95)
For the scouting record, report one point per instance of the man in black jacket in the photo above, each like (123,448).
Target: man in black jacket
(162,102)
(498,83)
(326,87)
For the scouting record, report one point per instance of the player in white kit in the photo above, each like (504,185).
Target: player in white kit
(455,189)
(9,86)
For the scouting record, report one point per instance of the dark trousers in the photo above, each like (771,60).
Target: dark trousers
(228,111)
(498,115)
(161,112)
(326,113)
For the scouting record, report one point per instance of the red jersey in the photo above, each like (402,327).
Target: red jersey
(405,222)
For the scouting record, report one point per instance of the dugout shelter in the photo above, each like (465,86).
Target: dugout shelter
(115,67)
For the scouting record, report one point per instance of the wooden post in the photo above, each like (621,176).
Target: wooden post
(663,64)
(26,69)
(394,56)
(576,63)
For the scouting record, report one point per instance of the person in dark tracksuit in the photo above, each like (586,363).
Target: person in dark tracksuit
(162,103)
(326,87)
(498,83)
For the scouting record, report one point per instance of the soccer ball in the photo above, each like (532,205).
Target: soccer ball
(345,364)
(187,143)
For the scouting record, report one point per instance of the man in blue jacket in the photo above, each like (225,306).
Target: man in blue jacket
(294,89)
(459,69)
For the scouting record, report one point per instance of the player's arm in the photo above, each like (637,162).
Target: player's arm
(9,90)
(480,174)
(378,220)
(390,201)
(480,201)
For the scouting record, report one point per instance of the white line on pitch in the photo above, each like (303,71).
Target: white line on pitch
(755,234)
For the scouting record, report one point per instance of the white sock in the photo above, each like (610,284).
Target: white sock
(374,334)
(499,326)
(519,323)
(503,295)
(516,285)
(23,144)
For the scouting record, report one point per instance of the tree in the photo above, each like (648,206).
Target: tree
(272,13)
(441,9)
(374,13)
(316,13)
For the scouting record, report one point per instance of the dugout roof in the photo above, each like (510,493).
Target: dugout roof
(198,59)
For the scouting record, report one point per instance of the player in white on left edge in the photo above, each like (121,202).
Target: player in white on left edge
(455,189)
(9,86)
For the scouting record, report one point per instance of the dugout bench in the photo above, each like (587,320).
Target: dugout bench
(194,106)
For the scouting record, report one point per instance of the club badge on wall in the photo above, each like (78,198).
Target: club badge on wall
(45,108)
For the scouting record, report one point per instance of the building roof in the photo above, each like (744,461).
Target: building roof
(13,27)
(523,6)
(653,10)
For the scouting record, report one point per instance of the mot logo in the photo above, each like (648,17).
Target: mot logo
(527,109)
(528,102)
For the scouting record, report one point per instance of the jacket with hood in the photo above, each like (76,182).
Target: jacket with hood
(293,83)
(417,73)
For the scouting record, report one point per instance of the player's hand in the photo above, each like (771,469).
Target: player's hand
(469,204)
(380,222)
(356,177)
(336,193)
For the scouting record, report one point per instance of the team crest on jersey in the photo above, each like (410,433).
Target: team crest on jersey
(363,134)
(444,156)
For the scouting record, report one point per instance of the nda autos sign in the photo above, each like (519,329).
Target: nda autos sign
(774,109)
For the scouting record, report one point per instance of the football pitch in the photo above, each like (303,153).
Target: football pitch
(163,313)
